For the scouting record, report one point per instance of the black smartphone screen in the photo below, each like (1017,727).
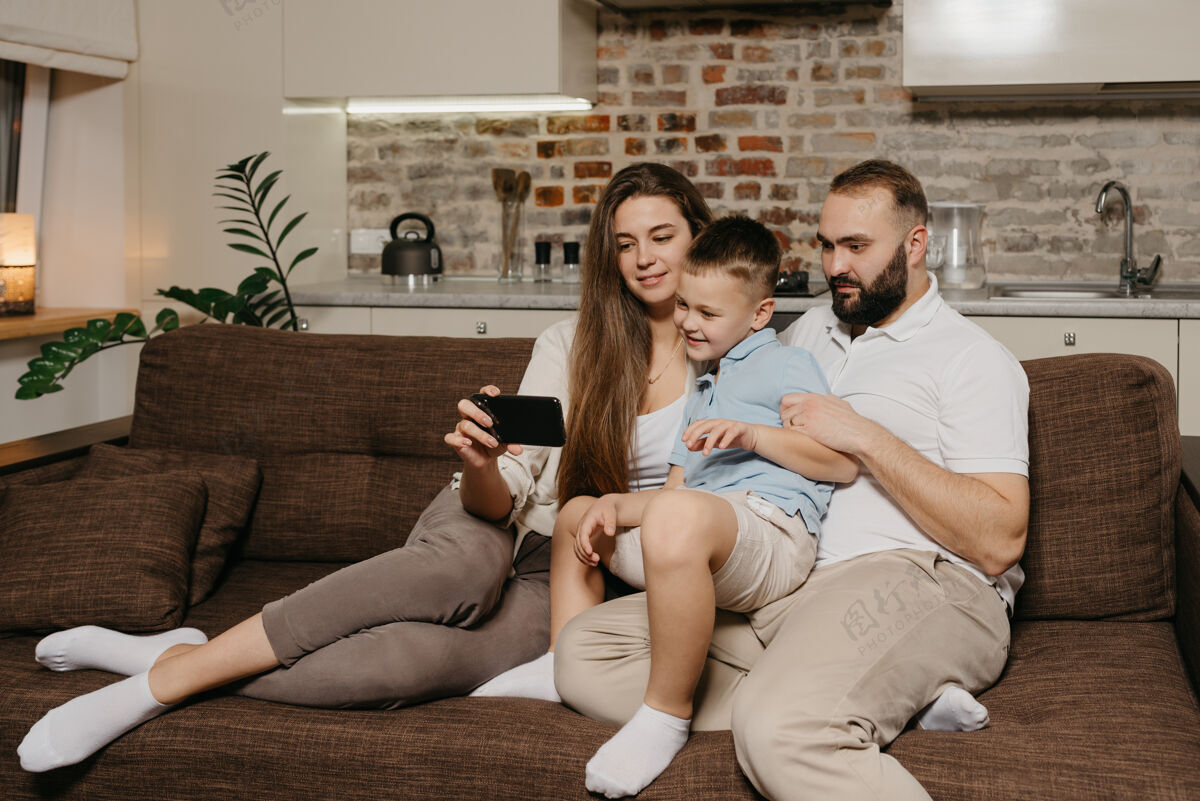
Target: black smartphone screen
(524,419)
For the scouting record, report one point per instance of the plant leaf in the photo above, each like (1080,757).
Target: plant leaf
(260,194)
(301,256)
(61,351)
(254,284)
(122,324)
(287,229)
(267,273)
(247,249)
(254,164)
(284,313)
(167,320)
(99,328)
(45,366)
(77,336)
(243,232)
(271,219)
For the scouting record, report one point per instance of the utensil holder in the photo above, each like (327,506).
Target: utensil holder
(510,260)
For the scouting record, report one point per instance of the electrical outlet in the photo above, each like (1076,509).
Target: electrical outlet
(369,241)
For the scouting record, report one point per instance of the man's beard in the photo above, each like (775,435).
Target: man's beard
(876,301)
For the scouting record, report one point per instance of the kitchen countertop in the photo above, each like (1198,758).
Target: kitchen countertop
(469,292)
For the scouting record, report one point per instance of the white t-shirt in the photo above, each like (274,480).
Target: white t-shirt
(652,443)
(532,476)
(940,383)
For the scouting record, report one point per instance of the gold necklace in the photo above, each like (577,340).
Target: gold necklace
(670,360)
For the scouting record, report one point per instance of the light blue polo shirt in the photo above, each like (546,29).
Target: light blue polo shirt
(755,375)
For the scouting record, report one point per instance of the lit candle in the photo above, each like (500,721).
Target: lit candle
(18,255)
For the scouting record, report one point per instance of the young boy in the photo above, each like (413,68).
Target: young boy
(735,524)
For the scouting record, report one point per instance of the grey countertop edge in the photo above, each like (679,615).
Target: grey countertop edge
(483,293)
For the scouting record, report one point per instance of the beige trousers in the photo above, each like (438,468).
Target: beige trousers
(816,683)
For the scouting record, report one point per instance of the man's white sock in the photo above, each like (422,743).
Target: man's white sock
(79,728)
(954,710)
(95,648)
(531,680)
(637,754)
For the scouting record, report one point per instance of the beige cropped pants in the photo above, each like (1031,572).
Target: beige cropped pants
(816,683)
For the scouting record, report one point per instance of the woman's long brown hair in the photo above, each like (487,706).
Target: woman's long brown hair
(610,356)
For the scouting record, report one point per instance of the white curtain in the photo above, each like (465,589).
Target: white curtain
(98,37)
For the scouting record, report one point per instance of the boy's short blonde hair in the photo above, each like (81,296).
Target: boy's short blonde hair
(738,247)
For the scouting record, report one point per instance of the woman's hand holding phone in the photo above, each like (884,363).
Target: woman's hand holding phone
(470,438)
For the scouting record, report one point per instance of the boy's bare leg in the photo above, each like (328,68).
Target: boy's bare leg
(574,587)
(686,537)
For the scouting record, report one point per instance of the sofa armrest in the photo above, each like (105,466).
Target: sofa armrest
(1187,559)
(24,454)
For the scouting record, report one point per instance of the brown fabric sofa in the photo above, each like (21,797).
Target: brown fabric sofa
(1098,700)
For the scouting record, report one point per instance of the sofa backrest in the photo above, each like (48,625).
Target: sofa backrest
(348,433)
(347,430)
(1104,469)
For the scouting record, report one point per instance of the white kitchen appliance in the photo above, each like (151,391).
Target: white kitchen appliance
(955,251)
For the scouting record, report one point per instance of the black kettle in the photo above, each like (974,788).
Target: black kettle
(412,255)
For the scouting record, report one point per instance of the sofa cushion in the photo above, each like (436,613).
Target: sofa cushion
(1084,710)
(336,432)
(114,553)
(1104,468)
(232,483)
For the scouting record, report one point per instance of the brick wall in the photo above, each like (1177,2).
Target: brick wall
(761,111)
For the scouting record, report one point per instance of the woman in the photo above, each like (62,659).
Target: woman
(360,637)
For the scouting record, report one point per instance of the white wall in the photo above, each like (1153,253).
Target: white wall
(81,256)
(128,204)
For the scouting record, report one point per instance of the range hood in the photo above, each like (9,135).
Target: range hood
(1089,49)
(408,56)
(712,5)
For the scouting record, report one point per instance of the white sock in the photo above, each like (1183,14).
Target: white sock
(531,680)
(637,754)
(954,710)
(79,728)
(95,648)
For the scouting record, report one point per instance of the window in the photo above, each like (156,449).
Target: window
(12,97)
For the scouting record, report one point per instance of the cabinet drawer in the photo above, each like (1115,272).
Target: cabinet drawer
(1039,337)
(464,322)
(334,319)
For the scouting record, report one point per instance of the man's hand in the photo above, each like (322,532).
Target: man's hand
(830,421)
(708,434)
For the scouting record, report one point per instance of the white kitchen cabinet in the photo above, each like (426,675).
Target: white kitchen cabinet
(1161,340)
(334,319)
(417,48)
(1038,337)
(1189,378)
(419,321)
(1023,47)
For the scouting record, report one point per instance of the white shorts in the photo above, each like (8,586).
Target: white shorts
(772,557)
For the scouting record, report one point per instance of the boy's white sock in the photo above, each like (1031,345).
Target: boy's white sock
(79,728)
(96,648)
(531,680)
(954,710)
(637,754)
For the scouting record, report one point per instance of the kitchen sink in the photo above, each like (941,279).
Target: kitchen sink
(1092,291)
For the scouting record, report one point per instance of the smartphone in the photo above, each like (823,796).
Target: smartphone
(524,419)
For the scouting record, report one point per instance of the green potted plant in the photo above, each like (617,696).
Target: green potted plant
(255,301)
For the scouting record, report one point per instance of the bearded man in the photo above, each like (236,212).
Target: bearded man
(917,564)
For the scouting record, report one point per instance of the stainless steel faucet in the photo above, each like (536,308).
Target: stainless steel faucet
(1132,279)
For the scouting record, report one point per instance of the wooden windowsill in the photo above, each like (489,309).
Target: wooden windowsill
(51,321)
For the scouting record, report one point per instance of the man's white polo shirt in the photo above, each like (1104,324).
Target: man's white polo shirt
(940,383)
